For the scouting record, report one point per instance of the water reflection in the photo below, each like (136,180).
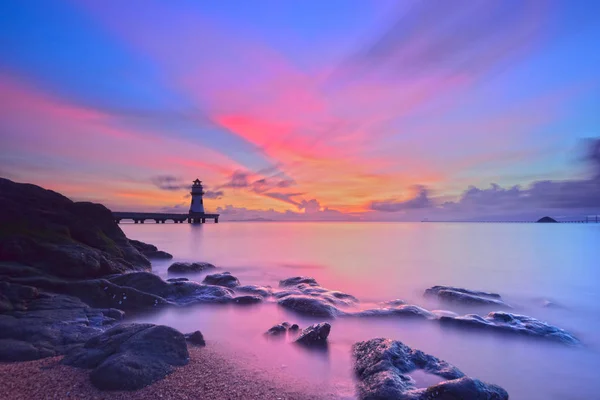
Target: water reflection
(381,262)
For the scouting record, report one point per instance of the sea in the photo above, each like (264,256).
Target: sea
(529,265)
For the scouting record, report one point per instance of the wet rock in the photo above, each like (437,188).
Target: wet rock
(195,338)
(464,296)
(51,325)
(46,230)
(382,367)
(195,267)
(513,323)
(263,291)
(181,293)
(294,327)
(130,356)
(312,289)
(315,335)
(297,280)
(247,299)
(401,311)
(308,305)
(150,251)
(99,293)
(173,280)
(223,279)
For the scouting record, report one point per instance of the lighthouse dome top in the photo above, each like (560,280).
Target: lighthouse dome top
(197,182)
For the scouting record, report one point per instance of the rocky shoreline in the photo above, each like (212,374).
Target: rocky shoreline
(69,279)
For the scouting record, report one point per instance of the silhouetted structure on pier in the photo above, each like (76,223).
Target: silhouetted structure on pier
(196,215)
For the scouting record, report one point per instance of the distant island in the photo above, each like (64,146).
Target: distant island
(546,220)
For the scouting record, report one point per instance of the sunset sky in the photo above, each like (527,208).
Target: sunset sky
(325,109)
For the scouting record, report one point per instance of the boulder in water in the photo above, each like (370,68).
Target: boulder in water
(382,367)
(464,296)
(297,280)
(223,279)
(513,323)
(315,335)
(185,267)
(308,305)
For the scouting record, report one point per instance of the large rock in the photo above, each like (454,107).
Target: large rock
(150,251)
(130,356)
(513,324)
(223,279)
(46,230)
(185,268)
(464,296)
(382,367)
(315,335)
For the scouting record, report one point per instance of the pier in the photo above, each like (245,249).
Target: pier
(196,215)
(161,218)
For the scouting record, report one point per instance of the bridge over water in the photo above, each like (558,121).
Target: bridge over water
(161,218)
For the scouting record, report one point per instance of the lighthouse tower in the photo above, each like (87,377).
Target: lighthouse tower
(197,205)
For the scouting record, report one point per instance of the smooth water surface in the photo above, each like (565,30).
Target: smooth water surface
(526,263)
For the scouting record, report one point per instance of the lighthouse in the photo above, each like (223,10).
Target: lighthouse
(197,205)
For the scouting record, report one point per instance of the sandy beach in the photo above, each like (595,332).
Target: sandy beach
(210,374)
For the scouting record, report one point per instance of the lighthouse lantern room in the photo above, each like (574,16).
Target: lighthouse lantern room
(197,205)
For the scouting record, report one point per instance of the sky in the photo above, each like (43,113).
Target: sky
(381,110)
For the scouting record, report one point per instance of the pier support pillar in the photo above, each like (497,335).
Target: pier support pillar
(136,221)
(216,220)
(203,220)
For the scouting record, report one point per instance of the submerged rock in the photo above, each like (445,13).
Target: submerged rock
(315,335)
(130,356)
(382,367)
(150,251)
(223,279)
(513,323)
(464,296)
(307,305)
(195,338)
(184,267)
